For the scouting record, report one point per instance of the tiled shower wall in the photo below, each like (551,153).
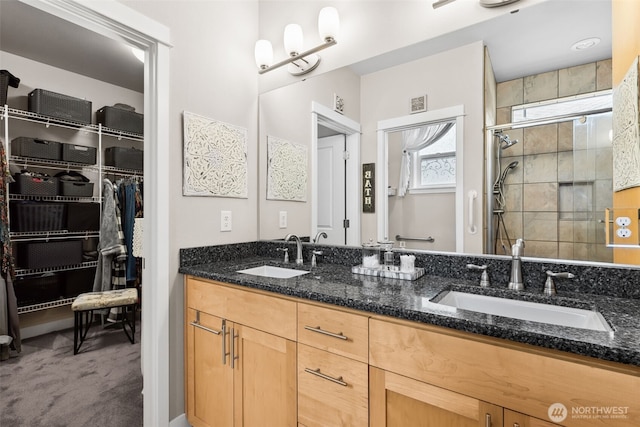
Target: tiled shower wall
(556,196)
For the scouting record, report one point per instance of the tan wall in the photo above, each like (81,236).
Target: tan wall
(626,47)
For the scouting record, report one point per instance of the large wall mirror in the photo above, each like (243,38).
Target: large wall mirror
(474,74)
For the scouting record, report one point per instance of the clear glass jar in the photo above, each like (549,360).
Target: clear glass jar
(387,247)
(370,255)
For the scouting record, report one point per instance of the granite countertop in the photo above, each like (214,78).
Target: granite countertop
(410,300)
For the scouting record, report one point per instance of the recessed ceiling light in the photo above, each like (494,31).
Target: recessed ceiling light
(585,44)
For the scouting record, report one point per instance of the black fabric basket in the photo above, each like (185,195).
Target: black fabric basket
(79,154)
(121,119)
(29,216)
(35,147)
(83,217)
(33,255)
(76,189)
(76,282)
(125,158)
(59,106)
(34,186)
(6,79)
(37,289)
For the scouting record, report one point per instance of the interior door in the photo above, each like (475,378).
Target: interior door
(331,189)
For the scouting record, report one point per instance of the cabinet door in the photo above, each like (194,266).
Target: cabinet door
(516,419)
(398,401)
(209,379)
(264,367)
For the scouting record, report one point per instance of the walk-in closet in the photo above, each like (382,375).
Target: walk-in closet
(71,127)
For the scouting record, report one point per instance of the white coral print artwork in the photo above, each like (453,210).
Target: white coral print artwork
(626,131)
(286,170)
(215,158)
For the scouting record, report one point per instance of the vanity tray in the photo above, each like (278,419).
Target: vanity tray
(391,274)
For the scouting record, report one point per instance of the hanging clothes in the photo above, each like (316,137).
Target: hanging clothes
(110,273)
(9,320)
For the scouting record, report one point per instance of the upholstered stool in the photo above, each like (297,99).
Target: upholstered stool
(84,304)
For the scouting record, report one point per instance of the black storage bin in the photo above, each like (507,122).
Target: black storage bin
(83,217)
(34,147)
(34,185)
(125,158)
(27,216)
(79,154)
(59,106)
(49,254)
(76,189)
(6,79)
(121,119)
(76,282)
(37,289)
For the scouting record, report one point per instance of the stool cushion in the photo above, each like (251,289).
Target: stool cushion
(105,299)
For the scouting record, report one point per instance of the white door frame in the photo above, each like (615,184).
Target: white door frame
(382,178)
(116,21)
(325,116)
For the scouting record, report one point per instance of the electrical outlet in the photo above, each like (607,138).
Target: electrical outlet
(225,220)
(283,219)
(623,232)
(623,221)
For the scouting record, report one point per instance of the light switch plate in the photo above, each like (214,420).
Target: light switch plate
(225,220)
(282,219)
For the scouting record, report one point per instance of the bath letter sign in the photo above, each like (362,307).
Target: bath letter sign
(368,187)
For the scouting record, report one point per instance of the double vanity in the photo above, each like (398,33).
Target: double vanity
(269,343)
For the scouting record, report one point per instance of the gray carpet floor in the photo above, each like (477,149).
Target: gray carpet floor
(47,386)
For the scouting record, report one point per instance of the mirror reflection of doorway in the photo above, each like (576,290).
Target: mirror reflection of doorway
(336,177)
(332,193)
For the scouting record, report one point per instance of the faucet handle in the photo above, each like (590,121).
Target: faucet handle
(313,257)
(484,277)
(286,253)
(549,284)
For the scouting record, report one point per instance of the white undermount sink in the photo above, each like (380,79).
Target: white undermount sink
(526,310)
(272,271)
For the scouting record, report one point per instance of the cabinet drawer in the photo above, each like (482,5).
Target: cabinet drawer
(262,312)
(332,390)
(338,332)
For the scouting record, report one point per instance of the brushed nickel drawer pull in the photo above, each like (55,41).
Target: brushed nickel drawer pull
(224,342)
(487,420)
(516,425)
(325,376)
(197,324)
(322,331)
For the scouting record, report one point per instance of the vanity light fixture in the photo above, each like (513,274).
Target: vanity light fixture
(299,62)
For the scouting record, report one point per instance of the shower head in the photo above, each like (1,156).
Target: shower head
(506,170)
(504,140)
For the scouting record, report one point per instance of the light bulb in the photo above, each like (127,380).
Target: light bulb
(329,23)
(293,39)
(264,54)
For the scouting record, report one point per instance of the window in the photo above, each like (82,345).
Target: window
(434,167)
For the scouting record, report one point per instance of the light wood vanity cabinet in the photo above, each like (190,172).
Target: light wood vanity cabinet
(240,369)
(257,359)
(333,386)
(424,363)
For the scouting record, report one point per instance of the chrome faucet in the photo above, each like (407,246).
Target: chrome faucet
(299,259)
(549,284)
(318,235)
(314,252)
(517,250)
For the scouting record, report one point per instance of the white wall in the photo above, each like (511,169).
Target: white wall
(213,74)
(450,78)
